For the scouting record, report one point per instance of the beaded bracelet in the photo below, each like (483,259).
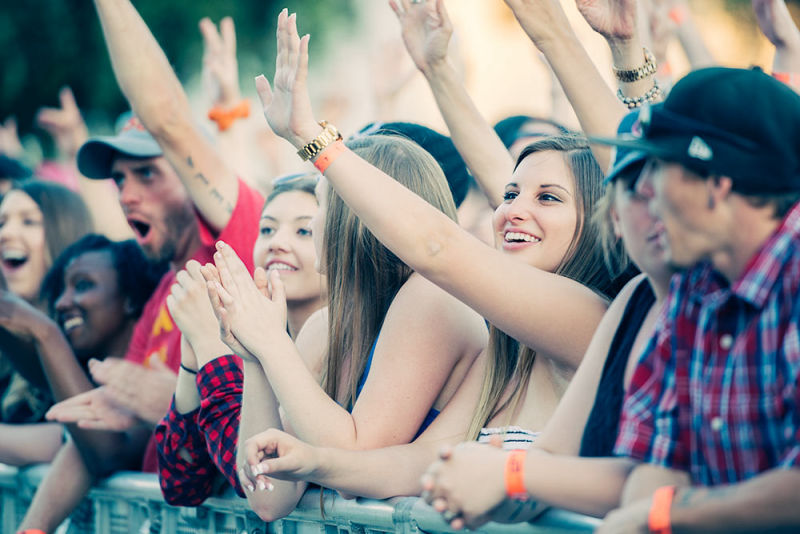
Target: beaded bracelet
(653,94)
(634,75)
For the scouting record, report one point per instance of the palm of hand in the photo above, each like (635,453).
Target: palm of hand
(16,315)
(426,35)
(610,18)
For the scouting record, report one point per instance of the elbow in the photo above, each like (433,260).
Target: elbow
(166,118)
(435,260)
(269,511)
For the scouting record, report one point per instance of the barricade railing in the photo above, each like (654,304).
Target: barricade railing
(131,503)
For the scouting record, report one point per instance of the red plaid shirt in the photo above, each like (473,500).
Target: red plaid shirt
(716,392)
(208,435)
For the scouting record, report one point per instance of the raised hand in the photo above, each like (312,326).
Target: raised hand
(220,67)
(274,453)
(190,307)
(613,19)
(95,410)
(19,317)
(286,105)
(246,307)
(10,144)
(466,483)
(144,391)
(64,124)
(426,30)
(776,22)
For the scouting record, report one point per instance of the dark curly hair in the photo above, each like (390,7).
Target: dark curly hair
(137,276)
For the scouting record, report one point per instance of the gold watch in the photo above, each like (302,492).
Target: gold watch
(328,135)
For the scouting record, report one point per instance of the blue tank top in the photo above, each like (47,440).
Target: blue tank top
(428,418)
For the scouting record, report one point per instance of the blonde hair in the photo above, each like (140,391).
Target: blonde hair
(510,364)
(363,275)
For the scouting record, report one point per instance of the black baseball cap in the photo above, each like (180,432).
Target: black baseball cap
(738,123)
(97,154)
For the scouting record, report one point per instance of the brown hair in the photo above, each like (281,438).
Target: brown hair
(364,276)
(66,217)
(510,364)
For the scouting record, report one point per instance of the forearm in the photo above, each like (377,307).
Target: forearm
(476,141)
(377,473)
(313,415)
(693,45)
(768,502)
(187,398)
(646,479)
(787,56)
(61,367)
(66,484)
(591,486)
(260,412)
(142,70)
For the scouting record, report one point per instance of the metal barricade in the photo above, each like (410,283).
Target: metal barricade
(131,503)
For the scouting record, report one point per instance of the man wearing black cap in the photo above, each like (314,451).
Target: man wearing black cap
(713,409)
(178,197)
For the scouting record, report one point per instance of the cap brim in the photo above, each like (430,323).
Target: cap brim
(96,155)
(667,148)
(633,161)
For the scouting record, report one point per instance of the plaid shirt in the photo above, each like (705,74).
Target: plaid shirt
(716,392)
(207,435)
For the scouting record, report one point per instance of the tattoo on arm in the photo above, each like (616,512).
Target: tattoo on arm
(213,192)
(689,497)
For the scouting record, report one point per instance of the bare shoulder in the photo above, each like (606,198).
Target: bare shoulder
(421,302)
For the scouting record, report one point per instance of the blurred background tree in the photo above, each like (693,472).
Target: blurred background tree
(46,44)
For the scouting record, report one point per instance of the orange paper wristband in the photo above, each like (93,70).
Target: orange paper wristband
(226,117)
(31,531)
(792,79)
(515,475)
(658,521)
(328,155)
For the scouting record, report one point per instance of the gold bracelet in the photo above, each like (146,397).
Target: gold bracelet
(634,75)
(328,135)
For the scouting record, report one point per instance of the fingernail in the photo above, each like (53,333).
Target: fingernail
(270,487)
(251,488)
(261,485)
(256,469)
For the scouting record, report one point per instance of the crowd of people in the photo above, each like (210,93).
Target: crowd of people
(501,320)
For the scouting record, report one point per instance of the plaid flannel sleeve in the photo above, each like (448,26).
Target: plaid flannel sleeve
(220,384)
(653,426)
(185,470)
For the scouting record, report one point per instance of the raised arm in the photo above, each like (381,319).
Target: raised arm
(426,31)
(410,366)
(157,98)
(566,313)
(776,22)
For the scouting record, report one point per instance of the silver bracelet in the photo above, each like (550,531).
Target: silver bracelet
(653,94)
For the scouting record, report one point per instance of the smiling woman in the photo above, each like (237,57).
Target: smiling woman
(95,292)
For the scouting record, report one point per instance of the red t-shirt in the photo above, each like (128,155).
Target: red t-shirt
(155,332)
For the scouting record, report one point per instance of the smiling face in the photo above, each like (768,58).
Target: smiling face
(157,207)
(285,244)
(90,309)
(23,249)
(537,220)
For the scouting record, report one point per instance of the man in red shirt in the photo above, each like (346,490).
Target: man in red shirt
(178,197)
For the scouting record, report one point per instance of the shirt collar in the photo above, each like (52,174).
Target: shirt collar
(764,269)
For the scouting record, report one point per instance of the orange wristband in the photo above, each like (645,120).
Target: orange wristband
(31,531)
(792,79)
(328,155)
(679,14)
(658,521)
(226,117)
(515,475)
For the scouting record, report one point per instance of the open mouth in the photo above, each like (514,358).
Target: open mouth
(140,228)
(520,237)
(13,259)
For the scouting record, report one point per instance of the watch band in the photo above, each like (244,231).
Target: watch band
(328,135)
(634,75)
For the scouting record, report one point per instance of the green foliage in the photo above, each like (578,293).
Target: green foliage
(46,44)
